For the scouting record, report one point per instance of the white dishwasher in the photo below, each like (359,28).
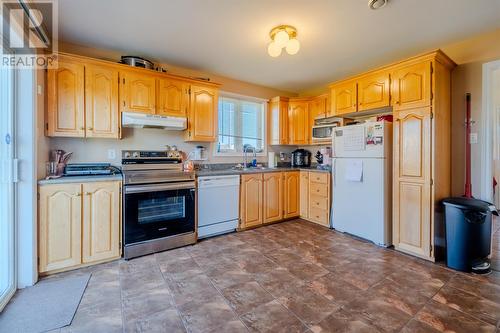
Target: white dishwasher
(218,205)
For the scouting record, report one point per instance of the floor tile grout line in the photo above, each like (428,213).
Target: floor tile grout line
(220,293)
(171,294)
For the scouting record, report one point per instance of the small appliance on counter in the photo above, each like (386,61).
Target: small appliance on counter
(301,158)
(90,169)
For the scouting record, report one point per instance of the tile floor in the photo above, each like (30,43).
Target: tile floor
(288,277)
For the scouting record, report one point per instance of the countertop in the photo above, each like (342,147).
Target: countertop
(227,172)
(79,179)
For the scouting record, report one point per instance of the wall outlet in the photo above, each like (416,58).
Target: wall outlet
(473,138)
(111,154)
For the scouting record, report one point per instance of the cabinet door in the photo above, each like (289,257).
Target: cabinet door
(137,92)
(172,98)
(344,98)
(278,122)
(298,118)
(101,102)
(202,120)
(65,100)
(373,91)
(101,221)
(291,194)
(304,194)
(412,182)
(59,226)
(251,200)
(317,109)
(273,197)
(411,86)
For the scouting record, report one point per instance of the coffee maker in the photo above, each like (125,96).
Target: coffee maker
(301,158)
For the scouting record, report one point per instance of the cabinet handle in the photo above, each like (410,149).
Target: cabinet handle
(82,128)
(88,193)
(317,190)
(78,194)
(90,128)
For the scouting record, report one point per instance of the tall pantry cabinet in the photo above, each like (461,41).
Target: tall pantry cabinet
(420,91)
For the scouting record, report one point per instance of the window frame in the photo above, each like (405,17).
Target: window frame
(264,102)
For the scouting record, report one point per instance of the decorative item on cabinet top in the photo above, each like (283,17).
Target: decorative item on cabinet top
(97,92)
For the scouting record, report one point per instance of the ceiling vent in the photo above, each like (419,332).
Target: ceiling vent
(377,4)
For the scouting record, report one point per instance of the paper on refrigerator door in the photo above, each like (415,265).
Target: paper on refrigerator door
(354,171)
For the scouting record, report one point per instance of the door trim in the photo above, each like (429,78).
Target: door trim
(487,123)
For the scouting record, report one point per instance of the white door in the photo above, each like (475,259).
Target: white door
(7,178)
(359,206)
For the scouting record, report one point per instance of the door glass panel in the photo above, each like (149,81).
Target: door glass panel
(160,209)
(7,284)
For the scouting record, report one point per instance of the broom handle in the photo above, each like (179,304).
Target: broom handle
(468,185)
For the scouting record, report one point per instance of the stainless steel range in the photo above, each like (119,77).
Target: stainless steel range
(159,203)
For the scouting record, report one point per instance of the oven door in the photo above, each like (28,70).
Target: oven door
(157,211)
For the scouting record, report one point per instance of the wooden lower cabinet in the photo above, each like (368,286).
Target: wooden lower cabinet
(273,196)
(79,223)
(251,200)
(60,233)
(291,194)
(101,221)
(268,197)
(315,197)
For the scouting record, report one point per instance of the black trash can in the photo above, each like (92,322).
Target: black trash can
(468,233)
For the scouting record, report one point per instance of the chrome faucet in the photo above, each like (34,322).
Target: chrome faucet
(245,151)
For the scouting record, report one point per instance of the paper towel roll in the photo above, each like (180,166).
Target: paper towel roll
(271,159)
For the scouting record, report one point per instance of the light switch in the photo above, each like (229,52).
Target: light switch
(111,154)
(473,138)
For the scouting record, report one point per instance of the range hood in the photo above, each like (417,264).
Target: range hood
(141,120)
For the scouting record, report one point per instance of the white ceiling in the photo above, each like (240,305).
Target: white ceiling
(230,37)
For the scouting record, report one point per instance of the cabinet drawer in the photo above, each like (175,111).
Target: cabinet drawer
(318,216)
(318,177)
(319,202)
(318,189)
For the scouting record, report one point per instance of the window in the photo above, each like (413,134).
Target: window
(241,122)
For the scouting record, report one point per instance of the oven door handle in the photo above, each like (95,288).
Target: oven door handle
(159,187)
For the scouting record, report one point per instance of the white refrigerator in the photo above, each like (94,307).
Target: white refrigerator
(362,181)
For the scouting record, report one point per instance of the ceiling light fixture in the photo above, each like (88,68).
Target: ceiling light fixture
(283,36)
(377,4)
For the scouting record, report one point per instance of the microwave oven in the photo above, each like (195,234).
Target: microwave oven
(323,132)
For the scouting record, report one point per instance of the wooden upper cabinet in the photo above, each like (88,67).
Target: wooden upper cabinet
(59,226)
(291,194)
(318,108)
(278,121)
(412,181)
(298,118)
(172,98)
(273,196)
(101,222)
(374,91)
(411,86)
(344,98)
(101,102)
(65,101)
(251,200)
(137,92)
(203,114)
